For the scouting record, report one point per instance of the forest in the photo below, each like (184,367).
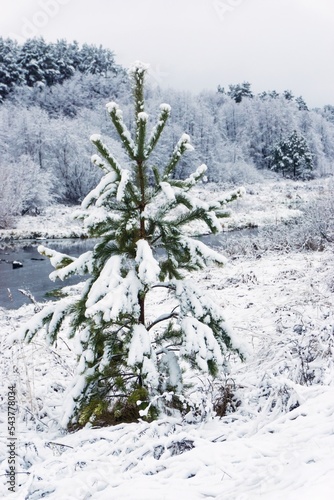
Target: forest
(52,98)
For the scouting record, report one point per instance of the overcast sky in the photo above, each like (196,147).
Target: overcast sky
(198,44)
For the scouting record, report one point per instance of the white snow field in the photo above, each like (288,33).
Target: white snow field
(275,442)
(266,203)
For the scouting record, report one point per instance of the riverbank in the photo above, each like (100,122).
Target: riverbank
(54,222)
(266,203)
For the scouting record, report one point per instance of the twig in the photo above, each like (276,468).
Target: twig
(59,444)
(163,317)
(30,296)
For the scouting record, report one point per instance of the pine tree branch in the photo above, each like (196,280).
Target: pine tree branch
(116,116)
(104,151)
(170,286)
(163,317)
(140,135)
(169,348)
(192,180)
(157,130)
(138,72)
(181,147)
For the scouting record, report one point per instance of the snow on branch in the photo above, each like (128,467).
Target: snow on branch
(80,266)
(141,355)
(148,268)
(195,176)
(97,217)
(138,67)
(180,148)
(200,343)
(98,162)
(102,148)
(108,181)
(125,178)
(139,346)
(228,198)
(116,116)
(142,117)
(110,277)
(57,259)
(167,190)
(165,110)
(194,303)
(50,317)
(60,312)
(119,301)
(27,331)
(163,317)
(200,254)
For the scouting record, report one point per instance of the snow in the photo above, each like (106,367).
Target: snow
(185,141)
(114,109)
(142,117)
(99,162)
(109,278)
(268,203)
(55,221)
(125,178)
(170,363)
(198,172)
(140,345)
(96,159)
(282,305)
(125,297)
(148,267)
(107,181)
(95,137)
(121,299)
(200,342)
(249,454)
(95,215)
(81,266)
(56,258)
(168,191)
(201,254)
(112,106)
(138,66)
(165,107)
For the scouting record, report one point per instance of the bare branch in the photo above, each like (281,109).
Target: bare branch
(163,317)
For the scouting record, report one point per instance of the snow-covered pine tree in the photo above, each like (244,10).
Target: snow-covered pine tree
(292,157)
(139,214)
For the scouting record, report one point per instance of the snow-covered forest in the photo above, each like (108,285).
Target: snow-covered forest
(183,364)
(54,96)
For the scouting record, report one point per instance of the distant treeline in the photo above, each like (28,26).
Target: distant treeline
(53,99)
(38,63)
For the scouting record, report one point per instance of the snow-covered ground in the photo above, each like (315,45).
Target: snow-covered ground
(277,439)
(55,221)
(265,203)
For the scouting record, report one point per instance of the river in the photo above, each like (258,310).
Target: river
(33,276)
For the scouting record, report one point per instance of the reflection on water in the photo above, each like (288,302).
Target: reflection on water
(34,275)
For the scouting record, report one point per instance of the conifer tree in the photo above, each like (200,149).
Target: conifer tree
(239,91)
(128,359)
(292,157)
(10,72)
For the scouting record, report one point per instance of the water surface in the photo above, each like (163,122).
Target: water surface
(34,275)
